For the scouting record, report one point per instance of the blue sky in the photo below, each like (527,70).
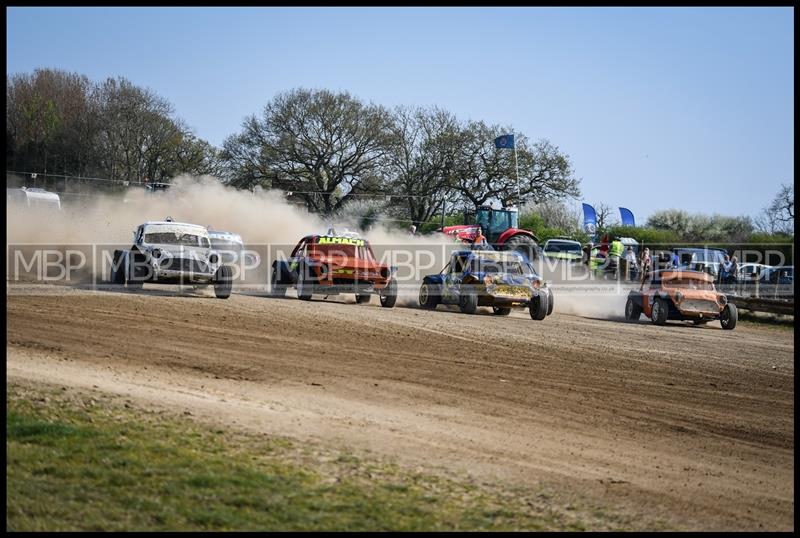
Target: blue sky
(656,107)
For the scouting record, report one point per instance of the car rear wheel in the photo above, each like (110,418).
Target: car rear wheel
(362,298)
(276,288)
(632,310)
(132,280)
(118,268)
(468,302)
(728,317)
(303,287)
(429,296)
(501,310)
(550,301)
(389,294)
(223,282)
(660,312)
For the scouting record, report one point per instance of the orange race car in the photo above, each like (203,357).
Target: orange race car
(333,264)
(680,295)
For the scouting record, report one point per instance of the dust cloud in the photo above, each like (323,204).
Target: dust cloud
(262,218)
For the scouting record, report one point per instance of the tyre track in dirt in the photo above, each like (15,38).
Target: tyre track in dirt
(690,424)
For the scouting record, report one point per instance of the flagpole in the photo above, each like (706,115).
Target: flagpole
(516,170)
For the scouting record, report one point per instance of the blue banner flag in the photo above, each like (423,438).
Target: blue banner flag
(627,216)
(505,141)
(589,219)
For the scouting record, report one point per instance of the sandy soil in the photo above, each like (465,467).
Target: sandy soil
(692,425)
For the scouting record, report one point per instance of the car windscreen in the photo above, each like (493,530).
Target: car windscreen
(688,283)
(175,238)
(481,265)
(563,246)
(222,244)
(351,251)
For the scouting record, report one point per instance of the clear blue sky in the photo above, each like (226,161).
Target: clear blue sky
(657,108)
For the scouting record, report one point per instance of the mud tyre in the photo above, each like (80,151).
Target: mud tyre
(468,302)
(660,312)
(388,295)
(728,317)
(133,282)
(429,296)
(538,306)
(303,286)
(632,310)
(223,282)
(276,289)
(118,269)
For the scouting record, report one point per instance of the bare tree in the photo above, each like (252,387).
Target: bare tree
(605,216)
(557,214)
(420,160)
(138,136)
(778,217)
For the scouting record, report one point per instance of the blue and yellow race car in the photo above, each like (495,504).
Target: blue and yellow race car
(501,280)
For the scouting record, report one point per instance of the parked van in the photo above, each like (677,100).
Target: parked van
(34,198)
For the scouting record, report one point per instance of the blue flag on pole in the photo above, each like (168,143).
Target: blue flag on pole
(589,219)
(505,141)
(627,216)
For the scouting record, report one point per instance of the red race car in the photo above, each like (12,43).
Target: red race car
(333,264)
(680,295)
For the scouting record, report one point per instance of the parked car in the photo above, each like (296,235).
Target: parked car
(168,252)
(692,255)
(782,275)
(330,264)
(710,268)
(501,280)
(563,249)
(750,272)
(33,198)
(680,295)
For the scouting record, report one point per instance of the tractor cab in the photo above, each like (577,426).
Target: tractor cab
(494,222)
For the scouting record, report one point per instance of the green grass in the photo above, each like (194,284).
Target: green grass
(80,462)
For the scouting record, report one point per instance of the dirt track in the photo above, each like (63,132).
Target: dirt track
(693,425)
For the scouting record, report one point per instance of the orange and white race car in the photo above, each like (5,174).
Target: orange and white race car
(680,295)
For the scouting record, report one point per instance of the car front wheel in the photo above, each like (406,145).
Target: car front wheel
(728,317)
(428,296)
(223,282)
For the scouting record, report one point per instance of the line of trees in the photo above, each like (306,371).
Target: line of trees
(331,148)
(63,123)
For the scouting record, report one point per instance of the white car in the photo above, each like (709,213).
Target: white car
(750,272)
(168,252)
(230,247)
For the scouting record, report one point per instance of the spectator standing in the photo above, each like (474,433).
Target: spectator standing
(630,264)
(725,270)
(676,261)
(646,262)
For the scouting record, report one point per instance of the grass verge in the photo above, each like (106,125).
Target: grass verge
(89,462)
